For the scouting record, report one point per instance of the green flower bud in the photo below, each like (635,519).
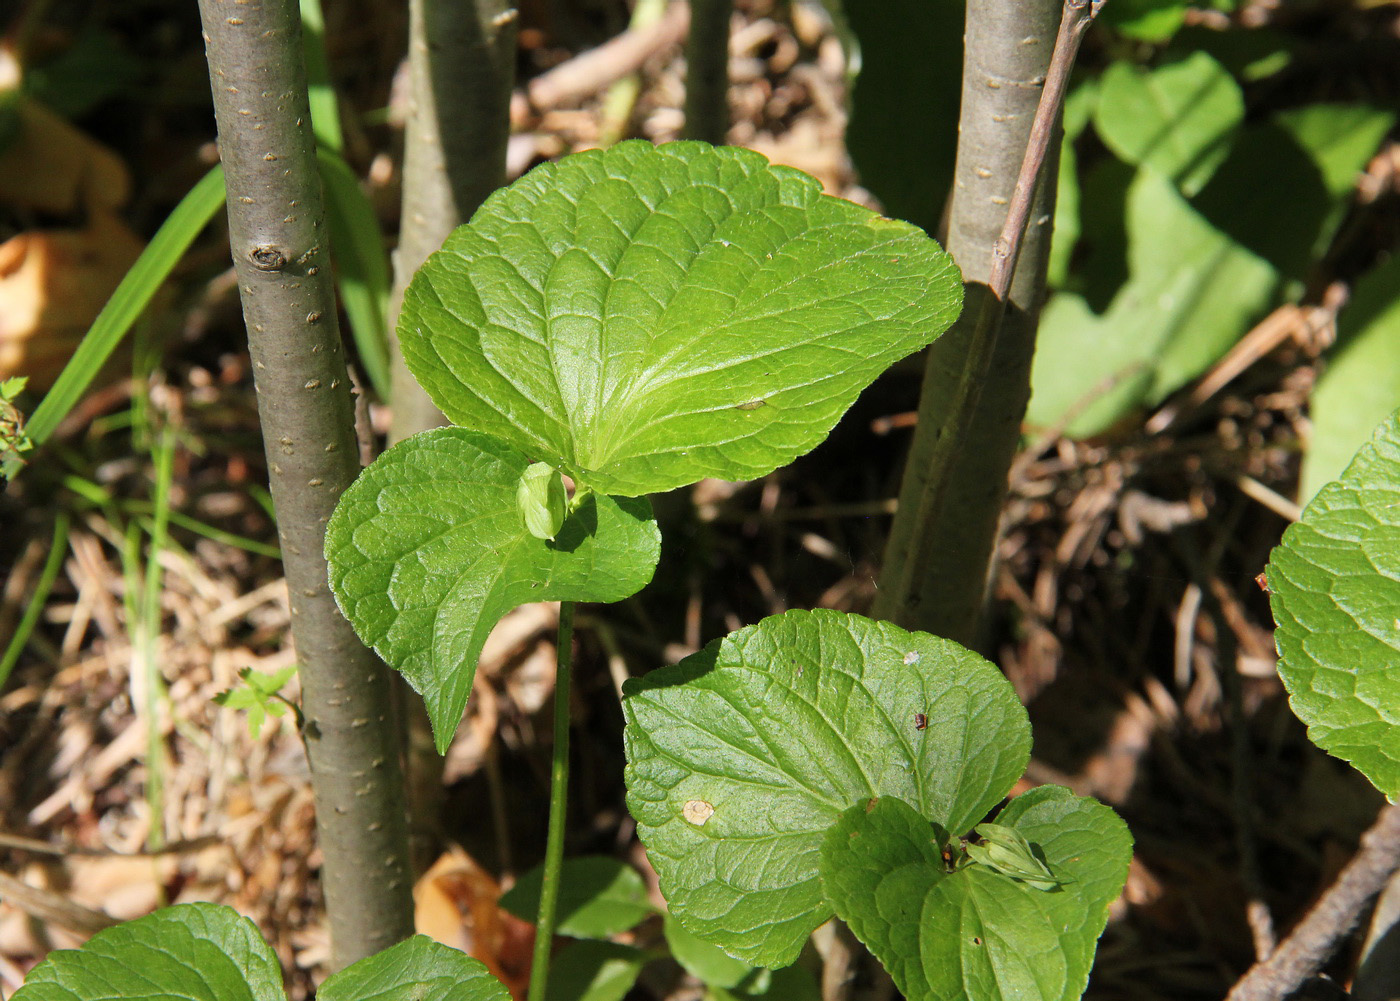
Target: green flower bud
(1005,850)
(541,499)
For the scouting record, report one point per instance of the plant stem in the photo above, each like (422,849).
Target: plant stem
(276,230)
(707,71)
(461,61)
(977,379)
(558,806)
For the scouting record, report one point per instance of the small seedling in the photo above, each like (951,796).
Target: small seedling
(14,440)
(261,695)
(542,501)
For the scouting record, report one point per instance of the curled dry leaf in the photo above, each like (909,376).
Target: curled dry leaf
(52,286)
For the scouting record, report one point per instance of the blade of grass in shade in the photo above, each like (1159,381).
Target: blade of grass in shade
(58,549)
(325,109)
(361,266)
(148,629)
(127,302)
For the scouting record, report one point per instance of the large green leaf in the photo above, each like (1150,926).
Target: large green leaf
(1335,586)
(1361,383)
(427,551)
(194,952)
(976,934)
(1315,154)
(1176,119)
(741,757)
(1191,293)
(650,316)
(418,969)
(598,896)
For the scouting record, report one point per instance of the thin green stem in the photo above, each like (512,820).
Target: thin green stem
(558,806)
(58,549)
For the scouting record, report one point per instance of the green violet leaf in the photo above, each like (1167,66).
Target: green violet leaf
(977,932)
(427,550)
(1334,582)
(196,952)
(742,757)
(417,969)
(648,316)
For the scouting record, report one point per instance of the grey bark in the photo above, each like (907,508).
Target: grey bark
(461,59)
(461,64)
(1007,51)
(707,71)
(276,231)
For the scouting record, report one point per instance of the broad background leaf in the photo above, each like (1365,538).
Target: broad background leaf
(417,969)
(1188,298)
(909,82)
(195,952)
(778,729)
(1360,383)
(977,934)
(710,964)
(594,971)
(648,316)
(1176,119)
(1334,583)
(427,551)
(598,897)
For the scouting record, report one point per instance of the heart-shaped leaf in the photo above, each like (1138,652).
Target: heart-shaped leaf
(1335,586)
(1177,118)
(741,757)
(427,550)
(196,952)
(598,897)
(647,317)
(418,969)
(977,934)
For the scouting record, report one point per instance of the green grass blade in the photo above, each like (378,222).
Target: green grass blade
(58,549)
(325,109)
(125,307)
(361,266)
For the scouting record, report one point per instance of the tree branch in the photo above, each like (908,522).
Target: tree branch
(276,232)
(461,63)
(1331,919)
(977,379)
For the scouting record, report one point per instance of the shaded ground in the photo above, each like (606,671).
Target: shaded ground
(1126,590)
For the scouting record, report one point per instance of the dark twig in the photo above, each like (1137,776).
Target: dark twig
(707,71)
(1078,15)
(1331,919)
(1242,767)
